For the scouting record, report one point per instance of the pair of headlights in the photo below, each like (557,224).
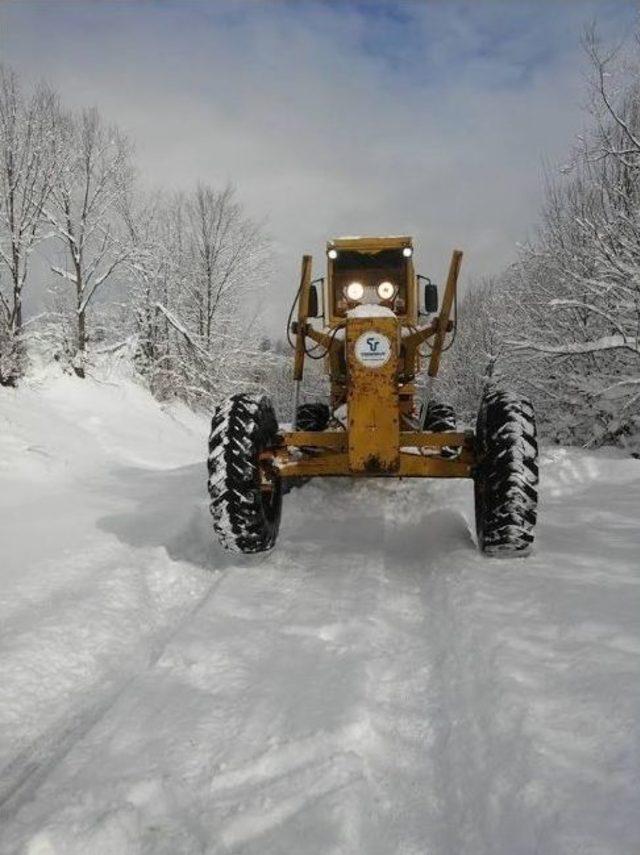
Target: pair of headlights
(354,291)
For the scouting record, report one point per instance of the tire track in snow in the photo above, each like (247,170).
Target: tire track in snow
(409,711)
(21,777)
(295,778)
(389,760)
(477,751)
(304,770)
(284,760)
(425,692)
(394,704)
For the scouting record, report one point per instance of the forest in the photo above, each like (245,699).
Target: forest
(173,279)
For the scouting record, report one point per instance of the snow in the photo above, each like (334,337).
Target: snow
(606,342)
(370,310)
(373,685)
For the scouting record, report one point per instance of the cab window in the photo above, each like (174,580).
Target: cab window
(378,278)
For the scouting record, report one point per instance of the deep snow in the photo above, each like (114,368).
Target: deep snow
(371,686)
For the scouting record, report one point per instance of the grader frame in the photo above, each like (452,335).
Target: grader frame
(371,343)
(382,435)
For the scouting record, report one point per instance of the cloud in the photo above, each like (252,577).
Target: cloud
(431,119)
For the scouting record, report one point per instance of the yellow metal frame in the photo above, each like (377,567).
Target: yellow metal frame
(304,454)
(375,441)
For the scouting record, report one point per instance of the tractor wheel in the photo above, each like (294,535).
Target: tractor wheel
(245,505)
(506,478)
(440,418)
(312,417)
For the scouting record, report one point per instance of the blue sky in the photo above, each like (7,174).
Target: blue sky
(431,118)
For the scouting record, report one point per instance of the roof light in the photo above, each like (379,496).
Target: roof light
(333,253)
(407,252)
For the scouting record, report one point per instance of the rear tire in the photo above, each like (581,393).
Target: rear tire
(441,418)
(506,478)
(312,417)
(246,517)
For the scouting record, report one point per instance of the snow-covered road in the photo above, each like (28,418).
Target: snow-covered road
(372,686)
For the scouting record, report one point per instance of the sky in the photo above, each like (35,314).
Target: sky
(434,119)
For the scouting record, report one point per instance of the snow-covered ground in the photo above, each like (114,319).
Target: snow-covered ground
(371,686)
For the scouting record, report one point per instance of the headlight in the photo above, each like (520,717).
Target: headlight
(407,252)
(355,291)
(333,253)
(386,290)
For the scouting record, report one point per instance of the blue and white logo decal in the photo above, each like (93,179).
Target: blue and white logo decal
(373,349)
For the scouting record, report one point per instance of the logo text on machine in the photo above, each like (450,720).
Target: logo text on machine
(373,349)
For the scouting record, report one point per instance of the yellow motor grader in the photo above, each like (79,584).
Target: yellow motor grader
(374,321)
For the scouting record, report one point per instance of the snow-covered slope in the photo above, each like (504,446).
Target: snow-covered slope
(371,686)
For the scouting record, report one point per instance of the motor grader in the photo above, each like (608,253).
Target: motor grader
(376,324)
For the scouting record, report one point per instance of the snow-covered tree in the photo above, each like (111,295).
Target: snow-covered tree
(28,170)
(573,320)
(84,211)
(477,353)
(150,271)
(198,264)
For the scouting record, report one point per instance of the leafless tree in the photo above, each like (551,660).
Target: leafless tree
(476,355)
(573,325)
(198,263)
(225,248)
(84,209)
(28,170)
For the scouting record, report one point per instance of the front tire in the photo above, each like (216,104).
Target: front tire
(441,418)
(506,478)
(312,417)
(245,506)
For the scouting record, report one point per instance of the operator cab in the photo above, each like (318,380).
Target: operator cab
(371,271)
